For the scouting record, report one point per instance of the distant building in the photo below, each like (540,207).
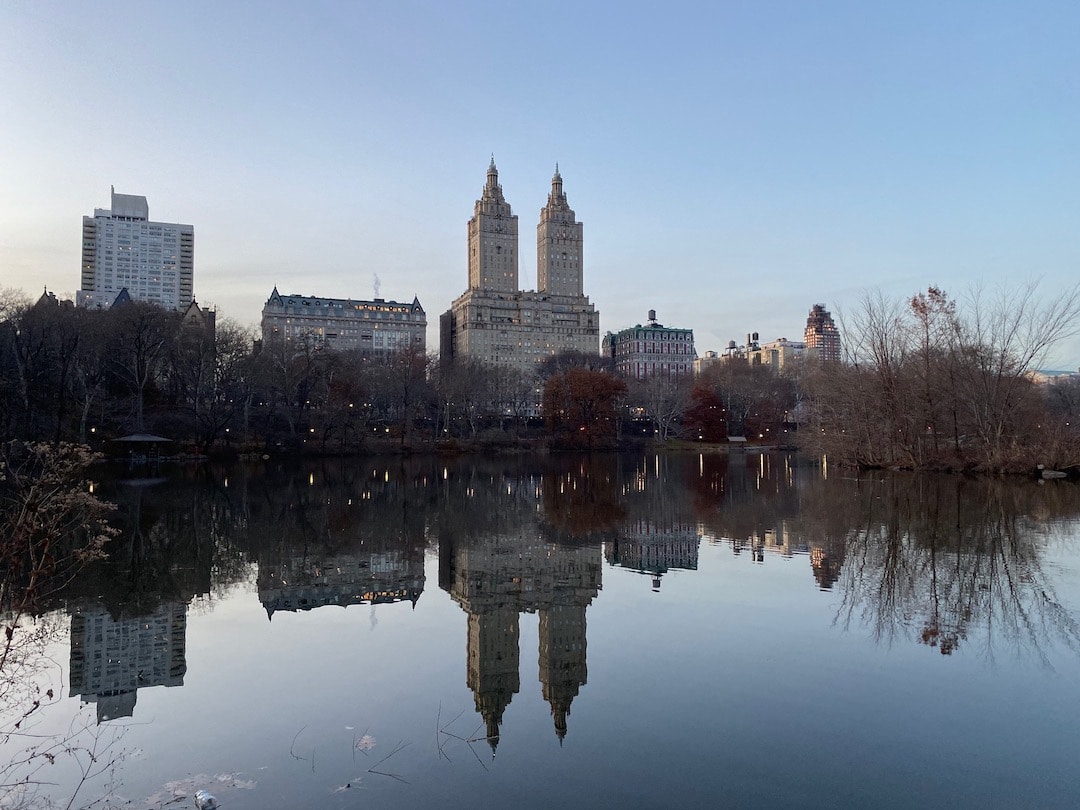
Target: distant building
(653,350)
(654,549)
(308,581)
(123,249)
(111,659)
(777,353)
(195,317)
(50,300)
(494,320)
(706,361)
(376,327)
(821,336)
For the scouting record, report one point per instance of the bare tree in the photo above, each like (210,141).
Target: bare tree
(142,335)
(50,527)
(930,369)
(664,400)
(1001,341)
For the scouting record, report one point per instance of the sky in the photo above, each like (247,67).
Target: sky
(733,163)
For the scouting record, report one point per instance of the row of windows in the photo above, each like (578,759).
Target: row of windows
(654,348)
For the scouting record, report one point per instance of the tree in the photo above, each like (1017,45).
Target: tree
(705,417)
(755,398)
(211,369)
(514,392)
(664,400)
(50,528)
(928,368)
(142,335)
(572,358)
(464,390)
(404,378)
(580,406)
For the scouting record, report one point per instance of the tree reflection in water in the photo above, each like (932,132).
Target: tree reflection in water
(949,562)
(941,560)
(956,561)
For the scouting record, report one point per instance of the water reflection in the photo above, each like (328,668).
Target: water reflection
(112,658)
(945,562)
(494,580)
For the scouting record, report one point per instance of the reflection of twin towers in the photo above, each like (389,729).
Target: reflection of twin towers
(495,580)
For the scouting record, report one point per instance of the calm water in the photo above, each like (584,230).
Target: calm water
(604,632)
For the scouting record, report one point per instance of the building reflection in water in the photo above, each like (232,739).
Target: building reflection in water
(336,534)
(111,659)
(301,582)
(940,561)
(650,549)
(495,580)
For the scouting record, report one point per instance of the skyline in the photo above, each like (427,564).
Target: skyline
(732,165)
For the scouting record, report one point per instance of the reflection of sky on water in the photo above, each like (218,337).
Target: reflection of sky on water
(740,680)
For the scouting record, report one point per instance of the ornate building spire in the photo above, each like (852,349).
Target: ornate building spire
(559,245)
(557,197)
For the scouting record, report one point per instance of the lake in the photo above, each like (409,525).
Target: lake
(752,630)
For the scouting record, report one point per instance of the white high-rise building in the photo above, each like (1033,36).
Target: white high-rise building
(122,249)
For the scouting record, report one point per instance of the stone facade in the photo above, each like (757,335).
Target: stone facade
(778,353)
(376,327)
(653,350)
(494,320)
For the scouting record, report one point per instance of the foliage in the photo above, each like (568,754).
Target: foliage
(50,524)
(706,418)
(50,527)
(933,382)
(580,406)
(663,400)
(755,399)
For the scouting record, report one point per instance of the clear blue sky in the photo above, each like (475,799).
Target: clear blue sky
(733,162)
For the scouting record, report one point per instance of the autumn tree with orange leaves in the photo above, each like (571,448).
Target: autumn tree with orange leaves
(580,407)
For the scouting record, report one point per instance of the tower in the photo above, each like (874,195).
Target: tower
(495,322)
(563,670)
(493,653)
(123,250)
(821,336)
(493,239)
(558,245)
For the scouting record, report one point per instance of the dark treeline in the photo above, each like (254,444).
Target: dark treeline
(927,383)
(69,374)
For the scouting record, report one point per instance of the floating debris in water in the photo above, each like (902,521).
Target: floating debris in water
(366,743)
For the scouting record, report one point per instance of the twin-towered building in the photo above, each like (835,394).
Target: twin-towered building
(125,256)
(493,321)
(497,322)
